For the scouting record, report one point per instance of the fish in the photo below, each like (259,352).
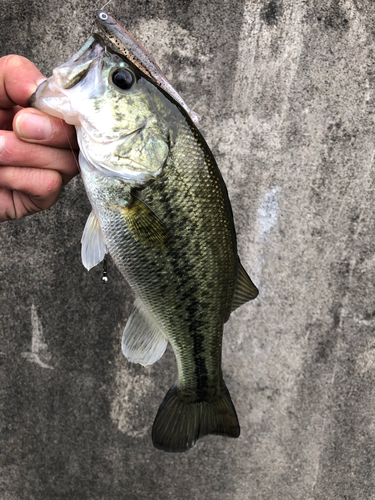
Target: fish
(161,209)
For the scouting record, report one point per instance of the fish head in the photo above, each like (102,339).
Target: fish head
(123,119)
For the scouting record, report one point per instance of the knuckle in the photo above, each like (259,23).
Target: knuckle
(49,184)
(12,61)
(6,152)
(54,185)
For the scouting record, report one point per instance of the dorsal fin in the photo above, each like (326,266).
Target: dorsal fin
(93,247)
(143,341)
(245,289)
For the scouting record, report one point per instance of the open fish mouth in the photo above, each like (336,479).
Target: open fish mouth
(54,103)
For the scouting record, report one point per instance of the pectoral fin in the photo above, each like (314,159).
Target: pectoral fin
(93,247)
(145,225)
(143,341)
(245,289)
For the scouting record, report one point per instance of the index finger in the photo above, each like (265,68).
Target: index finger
(19,79)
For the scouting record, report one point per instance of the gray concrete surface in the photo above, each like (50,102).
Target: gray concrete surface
(286,94)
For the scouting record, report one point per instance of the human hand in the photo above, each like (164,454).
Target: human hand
(36,157)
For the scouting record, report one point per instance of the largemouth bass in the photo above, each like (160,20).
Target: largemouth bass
(161,209)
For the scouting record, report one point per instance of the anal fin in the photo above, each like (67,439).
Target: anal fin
(143,341)
(245,289)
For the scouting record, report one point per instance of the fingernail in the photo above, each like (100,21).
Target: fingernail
(33,127)
(2,143)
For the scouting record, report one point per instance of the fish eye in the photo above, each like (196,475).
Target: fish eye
(123,79)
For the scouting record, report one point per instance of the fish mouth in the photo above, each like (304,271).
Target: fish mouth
(33,96)
(52,102)
(38,90)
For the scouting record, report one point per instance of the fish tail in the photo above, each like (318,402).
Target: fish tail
(181,421)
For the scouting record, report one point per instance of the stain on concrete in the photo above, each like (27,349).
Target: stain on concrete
(39,349)
(272,11)
(266,221)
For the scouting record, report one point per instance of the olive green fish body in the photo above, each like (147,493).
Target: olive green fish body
(161,209)
(186,281)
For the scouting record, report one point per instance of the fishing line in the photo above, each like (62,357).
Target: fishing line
(63,123)
(104,278)
(93,22)
(109,1)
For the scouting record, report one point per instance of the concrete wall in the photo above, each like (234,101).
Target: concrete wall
(286,94)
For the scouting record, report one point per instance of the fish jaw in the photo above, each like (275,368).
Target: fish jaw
(61,94)
(50,100)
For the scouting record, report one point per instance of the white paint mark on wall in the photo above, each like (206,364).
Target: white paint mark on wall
(38,346)
(267,218)
(258,68)
(268,211)
(366,361)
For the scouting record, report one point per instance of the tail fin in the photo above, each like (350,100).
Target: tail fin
(180,422)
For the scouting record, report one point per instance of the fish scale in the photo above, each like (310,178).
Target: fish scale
(161,209)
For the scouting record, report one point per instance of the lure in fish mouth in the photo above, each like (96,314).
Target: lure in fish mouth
(160,208)
(138,55)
